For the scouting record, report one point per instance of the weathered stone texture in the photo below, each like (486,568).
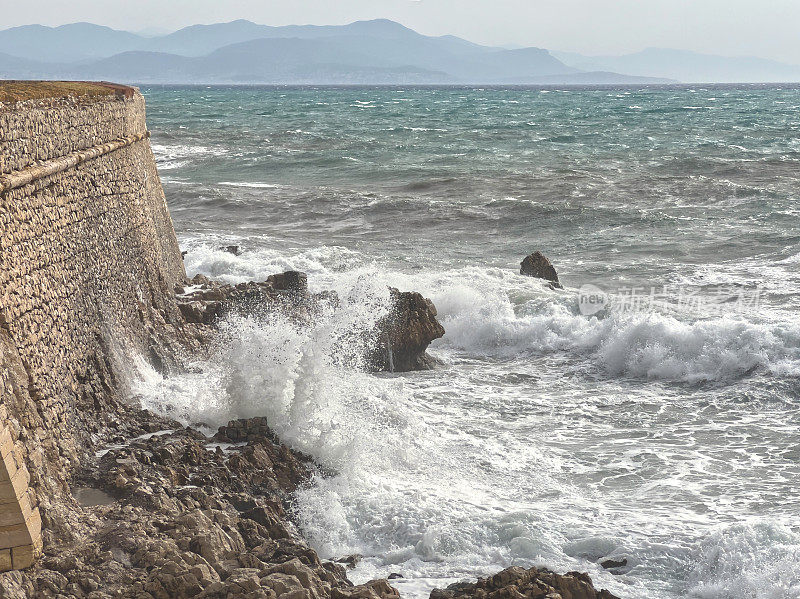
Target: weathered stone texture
(40,130)
(88,262)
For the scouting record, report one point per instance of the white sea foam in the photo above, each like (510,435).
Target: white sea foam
(486,313)
(758,560)
(257,262)
(252,185)
(176,155)
(494,312)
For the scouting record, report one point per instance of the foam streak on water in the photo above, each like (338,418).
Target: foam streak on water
(667,436)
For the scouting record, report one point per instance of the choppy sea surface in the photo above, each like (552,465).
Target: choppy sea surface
(659,426)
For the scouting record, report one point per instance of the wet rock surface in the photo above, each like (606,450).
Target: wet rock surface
(538,266)
(534,583)
(186,518)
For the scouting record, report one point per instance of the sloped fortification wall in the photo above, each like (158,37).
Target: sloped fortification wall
(88,265)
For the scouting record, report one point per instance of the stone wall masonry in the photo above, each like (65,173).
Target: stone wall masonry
(88,265)
(39,130)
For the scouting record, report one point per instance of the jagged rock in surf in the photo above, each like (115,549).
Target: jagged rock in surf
(403,336)
(239,431)
(537,265)
(398,343)
(611,564)
(200,312)
(535,583)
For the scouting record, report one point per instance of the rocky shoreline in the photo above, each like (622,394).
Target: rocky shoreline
(171,513)
(162,511)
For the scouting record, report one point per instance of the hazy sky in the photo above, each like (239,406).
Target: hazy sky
(767,28)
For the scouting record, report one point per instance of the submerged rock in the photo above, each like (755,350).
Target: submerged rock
(232,249)
(535,583)
(610,564)
(537,265)
(403,336)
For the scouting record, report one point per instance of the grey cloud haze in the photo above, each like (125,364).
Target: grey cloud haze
(729,27)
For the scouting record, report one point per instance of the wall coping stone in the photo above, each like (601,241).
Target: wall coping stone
(57,165)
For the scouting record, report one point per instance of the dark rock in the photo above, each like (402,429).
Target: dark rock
(201,280)
(375,589)
(611,563)
(395,576)
(351,561)
(286,292)
(403,336)
(517,582)
(200,312)
(232,249)
(290,280)
(538,266)
(250,429)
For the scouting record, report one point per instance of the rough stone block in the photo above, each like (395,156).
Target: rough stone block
(17,513)
(6,442)
(26,555)
(5,560)
(8,466)
(22,534)
(12,490)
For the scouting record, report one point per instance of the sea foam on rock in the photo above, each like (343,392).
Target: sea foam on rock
(398,342)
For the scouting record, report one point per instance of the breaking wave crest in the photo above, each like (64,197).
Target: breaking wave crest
(493,312)
(748,561)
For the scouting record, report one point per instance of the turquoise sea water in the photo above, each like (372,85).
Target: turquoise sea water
(662,429)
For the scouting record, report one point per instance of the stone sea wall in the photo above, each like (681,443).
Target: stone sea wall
(88,264)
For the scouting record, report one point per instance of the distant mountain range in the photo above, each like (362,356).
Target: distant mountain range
(365,52)
(688,67)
